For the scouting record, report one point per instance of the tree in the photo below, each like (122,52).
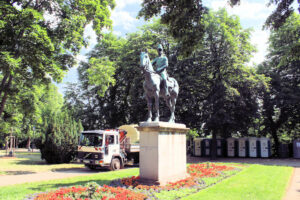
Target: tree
(279,15)
(215,84)
(183,18)
(34,46)
(27,110)
(59,143)
(123,102)
(281,103)
(85,101)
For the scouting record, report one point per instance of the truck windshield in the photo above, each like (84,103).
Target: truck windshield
(91,139)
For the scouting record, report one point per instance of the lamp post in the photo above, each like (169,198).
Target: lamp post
(33,136)
(12,144)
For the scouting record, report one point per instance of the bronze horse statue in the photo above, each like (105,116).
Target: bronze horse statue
(153,89)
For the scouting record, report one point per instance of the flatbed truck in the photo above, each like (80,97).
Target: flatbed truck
(111,148)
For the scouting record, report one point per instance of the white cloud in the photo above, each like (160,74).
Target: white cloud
(120,4)
(117,33)
(89,32)
(92,41)
(250,12)
(124,19)
(80,58)
(121,17)
(259,38)
(246,9)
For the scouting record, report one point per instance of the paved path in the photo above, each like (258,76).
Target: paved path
(293,191)
(43,176)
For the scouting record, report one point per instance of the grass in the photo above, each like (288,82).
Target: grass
(255,182)
(258,182)
(206,182)
(27,162)
(20,191)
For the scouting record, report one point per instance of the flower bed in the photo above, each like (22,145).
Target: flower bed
(201,176)
(195,171)
(90,192)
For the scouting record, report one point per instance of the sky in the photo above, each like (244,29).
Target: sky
(252,14)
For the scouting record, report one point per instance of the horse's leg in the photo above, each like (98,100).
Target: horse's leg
(156,97)
(149,104)
(172,105)
(169,104)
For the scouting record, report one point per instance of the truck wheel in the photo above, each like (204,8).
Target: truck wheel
(115,164)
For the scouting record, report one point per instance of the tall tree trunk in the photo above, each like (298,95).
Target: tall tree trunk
(28,143)
(3,82)
(276,140)
(5,95)
(213,146)
(6,144)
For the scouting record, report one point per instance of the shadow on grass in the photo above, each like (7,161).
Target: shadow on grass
(86,170)
(31,162)
(18,172)
(70,170)
(82,170)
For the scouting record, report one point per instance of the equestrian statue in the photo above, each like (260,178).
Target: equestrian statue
(158,84)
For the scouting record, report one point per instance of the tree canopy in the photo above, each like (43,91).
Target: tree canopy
(40,39)
(281,103)
(208,53)
(183,18)
(278,17)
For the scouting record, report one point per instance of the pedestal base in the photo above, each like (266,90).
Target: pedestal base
(162,152)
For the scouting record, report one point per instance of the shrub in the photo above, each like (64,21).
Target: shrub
(59,144)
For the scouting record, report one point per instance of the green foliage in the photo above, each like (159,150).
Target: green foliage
(35,47)
(283,10)
(59,144)
(281,102)
(215,83)
(123,102)
(193,133)
(101,73)
(28,110)
(218,93)
(183,18)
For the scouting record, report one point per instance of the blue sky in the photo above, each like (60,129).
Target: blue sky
(252,14)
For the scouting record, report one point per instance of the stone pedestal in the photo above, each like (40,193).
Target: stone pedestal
(162,152)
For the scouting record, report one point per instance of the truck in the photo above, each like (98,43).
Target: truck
(110,148)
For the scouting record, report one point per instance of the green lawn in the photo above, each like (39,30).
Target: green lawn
(20,191)
(258,182)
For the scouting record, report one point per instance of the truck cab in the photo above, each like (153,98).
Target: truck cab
(101,148)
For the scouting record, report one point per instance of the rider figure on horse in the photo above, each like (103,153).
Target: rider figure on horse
(161,63)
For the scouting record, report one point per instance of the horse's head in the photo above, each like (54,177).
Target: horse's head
(145,60)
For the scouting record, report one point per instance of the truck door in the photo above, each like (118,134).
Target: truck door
(111,147)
